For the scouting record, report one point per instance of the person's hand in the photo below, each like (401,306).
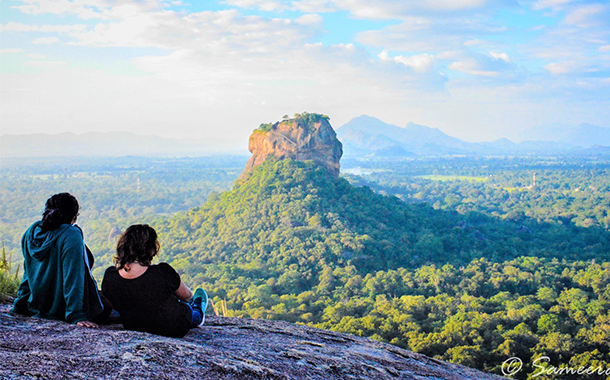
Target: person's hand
(88,324)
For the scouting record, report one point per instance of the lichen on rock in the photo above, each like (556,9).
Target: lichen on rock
(308,136)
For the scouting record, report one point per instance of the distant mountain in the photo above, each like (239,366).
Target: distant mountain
(111,144)
(393,151)
(597,150)
(547,132)
(371,137)
(587,135)
(584,135)
(502,143)
(363,136)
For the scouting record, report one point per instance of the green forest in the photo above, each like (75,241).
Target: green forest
(462,259)
(113,193)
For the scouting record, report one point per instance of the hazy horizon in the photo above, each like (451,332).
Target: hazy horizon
(478,70)
(236,142)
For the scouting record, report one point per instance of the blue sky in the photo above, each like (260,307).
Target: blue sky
(476,69)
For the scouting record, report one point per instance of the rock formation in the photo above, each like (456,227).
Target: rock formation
(224,348)
(306,137)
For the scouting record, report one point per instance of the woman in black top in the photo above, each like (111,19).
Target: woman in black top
(150,298)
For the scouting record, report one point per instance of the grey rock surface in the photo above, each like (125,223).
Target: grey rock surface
(224,348)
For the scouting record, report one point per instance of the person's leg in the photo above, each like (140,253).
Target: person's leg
(196,316)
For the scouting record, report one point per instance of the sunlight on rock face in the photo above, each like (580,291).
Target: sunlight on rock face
(306,137)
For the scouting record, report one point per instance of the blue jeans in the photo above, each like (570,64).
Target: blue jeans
(196,314)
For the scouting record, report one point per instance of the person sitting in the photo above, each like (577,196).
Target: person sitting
(150,298)
(57,281)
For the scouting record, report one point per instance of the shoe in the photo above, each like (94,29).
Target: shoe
(200,300)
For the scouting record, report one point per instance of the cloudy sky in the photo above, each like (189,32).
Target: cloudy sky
(476,69)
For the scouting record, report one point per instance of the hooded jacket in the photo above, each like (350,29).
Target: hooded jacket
(57,282)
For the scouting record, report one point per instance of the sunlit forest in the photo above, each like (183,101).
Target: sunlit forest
(467,260)
(113,193)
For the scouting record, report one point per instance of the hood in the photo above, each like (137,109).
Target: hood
(39,242)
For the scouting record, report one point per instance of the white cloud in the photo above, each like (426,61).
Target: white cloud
(45,40)
(46,65)
(452,5)
(128,32)
(419,63)
(88,9)
(207,32)
(15,27)
(84,9)
(264,5)
(585,16)
(473,42)
(471,66)
(449,55)
(190,92)
(314,6)
(554,4)
(310,19)
(11,51)
(502,56)
(558,68)
(59,28)
(399,9)
(575,67)
(584,29)
(19,27)
(210,63)
(493,65)
(36,56)
(429,34)
(380,9)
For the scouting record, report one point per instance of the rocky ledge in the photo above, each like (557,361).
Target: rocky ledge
(225,348)
(306,137)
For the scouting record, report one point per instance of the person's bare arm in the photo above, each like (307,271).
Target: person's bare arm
(183,293)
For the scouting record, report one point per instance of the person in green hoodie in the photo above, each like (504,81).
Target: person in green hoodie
(57,281)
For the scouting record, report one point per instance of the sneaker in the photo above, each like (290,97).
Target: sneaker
(200,300)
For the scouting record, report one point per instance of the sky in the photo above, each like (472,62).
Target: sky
(476,69)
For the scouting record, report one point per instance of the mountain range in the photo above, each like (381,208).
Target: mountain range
(369,136)
(363,136)
(583,135)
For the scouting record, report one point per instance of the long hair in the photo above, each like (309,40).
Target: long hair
(138,244)
(60,209)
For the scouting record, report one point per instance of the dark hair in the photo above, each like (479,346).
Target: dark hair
(137,244)
(60,209)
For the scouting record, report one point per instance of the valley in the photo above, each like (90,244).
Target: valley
(491,273)
(467,259)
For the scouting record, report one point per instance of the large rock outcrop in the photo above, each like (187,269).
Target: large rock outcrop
(225,348)
(306,137)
